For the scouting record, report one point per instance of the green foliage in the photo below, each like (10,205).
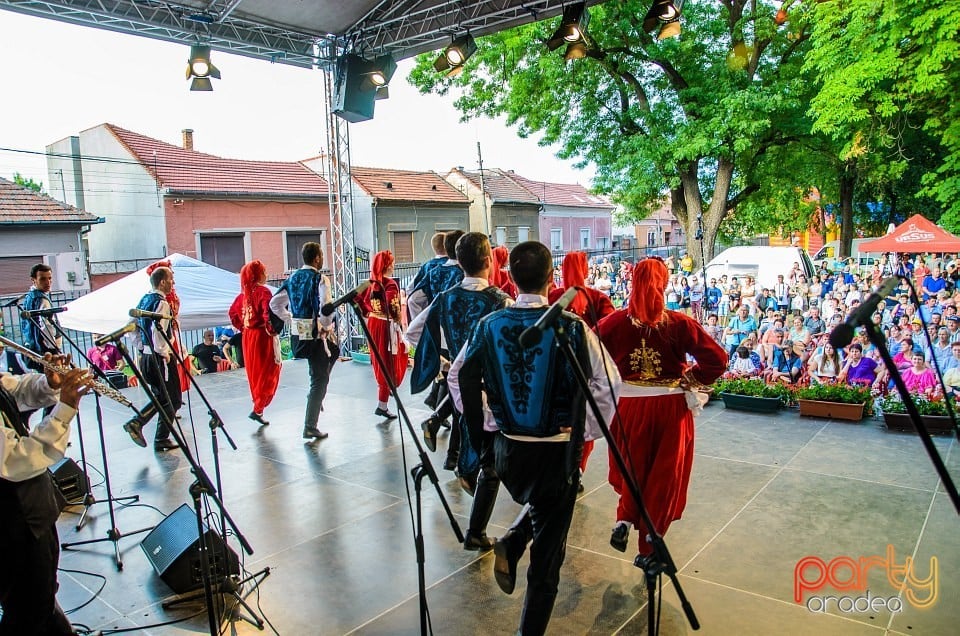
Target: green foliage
(842,393)
(20,180)
(754,387)
(926,406)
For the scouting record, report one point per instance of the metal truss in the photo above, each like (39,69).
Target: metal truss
(183,23)
(340,187)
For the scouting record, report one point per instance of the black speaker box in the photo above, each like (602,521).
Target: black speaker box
(70,480)
(353,98)
(173,549)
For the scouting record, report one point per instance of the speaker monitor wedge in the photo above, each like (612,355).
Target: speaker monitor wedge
(173,549)
(70,480)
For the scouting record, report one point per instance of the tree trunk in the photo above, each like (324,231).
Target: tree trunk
(848,179)
(711,217)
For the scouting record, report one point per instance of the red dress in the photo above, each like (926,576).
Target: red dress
(656,436)
(252,318)
(380,305)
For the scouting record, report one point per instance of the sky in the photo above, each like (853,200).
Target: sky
(61,79)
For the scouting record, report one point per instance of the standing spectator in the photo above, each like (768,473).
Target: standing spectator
(712,298)
(250,313)
(381,308)
(38,333)
(106,356)
(686,264)
(697,292)
(781,292)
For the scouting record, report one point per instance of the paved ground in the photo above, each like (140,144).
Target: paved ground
(332,521)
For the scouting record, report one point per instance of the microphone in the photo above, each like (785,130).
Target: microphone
(532,336)
(329,308)
(843,333)
(116,335)
(43,313)
(154,315)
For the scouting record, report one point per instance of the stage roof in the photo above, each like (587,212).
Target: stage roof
(295,32)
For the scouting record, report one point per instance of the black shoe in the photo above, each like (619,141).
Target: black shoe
(385,413)
(481,542)
(430,426)
(505,564)
(431,400)
(620,536)
(445,423)
(647,563)
(580,487)
(315,433)
(161,445)
(257,417)
(135,431)
(468,483)
(450,463)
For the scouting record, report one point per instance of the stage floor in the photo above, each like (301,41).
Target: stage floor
(332,521)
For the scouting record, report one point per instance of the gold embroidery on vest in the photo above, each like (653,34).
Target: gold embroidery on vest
(645,361)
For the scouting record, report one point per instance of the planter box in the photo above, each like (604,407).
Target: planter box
(833,410)
(359,356)
(937,424)
(750,403)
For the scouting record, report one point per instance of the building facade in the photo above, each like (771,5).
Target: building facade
(499,206)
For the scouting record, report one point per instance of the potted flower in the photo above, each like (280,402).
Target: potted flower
(363,355)
(752,394)
(933,410)
(836,401)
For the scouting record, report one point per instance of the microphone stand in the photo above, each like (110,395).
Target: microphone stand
(661,561)
(703,265)
(422,470)
(226,583)
(876,337)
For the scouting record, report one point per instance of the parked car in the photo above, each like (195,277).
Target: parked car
(828,253)
(762,262)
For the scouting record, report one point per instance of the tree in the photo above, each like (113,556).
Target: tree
(702,117)
(36,186)
(887,75)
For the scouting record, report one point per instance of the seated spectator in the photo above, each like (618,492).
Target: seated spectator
(951,377)
(713,329)
(799,333)
(770,343)
(230,342)
(207,354)
(106,357)
(858,369)
(778,364)
(919,378)
(743,364)
(824,367)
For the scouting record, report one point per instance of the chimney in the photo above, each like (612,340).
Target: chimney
(187,138)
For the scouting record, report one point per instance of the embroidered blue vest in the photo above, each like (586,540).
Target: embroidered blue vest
(32,339)
(303,294)
(436,261)
(530,391)
(149,302)
(440,278)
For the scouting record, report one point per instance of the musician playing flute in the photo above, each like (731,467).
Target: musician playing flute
(29,545)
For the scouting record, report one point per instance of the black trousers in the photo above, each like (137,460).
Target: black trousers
(164,382)
(539,473)
(28,578)
(320,364)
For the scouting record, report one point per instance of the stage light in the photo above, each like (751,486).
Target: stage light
(575,51)
(382,70)
(666,14)
(201,69)
(453,58)
(572,27)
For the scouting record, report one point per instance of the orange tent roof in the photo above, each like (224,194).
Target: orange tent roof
(916,234)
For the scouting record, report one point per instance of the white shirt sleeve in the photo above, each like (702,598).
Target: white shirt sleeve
(415,328)
(159,344)
(280,305)
(22,458)
(417,302)
(323,290)
(601,368)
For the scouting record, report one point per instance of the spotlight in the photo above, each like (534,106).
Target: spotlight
(201,69)
(665,13)
(573,24)
(575,51)
(381,71)
(453,58)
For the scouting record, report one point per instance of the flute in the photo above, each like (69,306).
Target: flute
(97,386)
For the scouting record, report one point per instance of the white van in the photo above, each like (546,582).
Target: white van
(830,250)
(763,263)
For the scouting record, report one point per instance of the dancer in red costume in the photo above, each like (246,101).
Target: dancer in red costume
(590,304)
(499,277)
(380,305)
(250,314)
(655,430)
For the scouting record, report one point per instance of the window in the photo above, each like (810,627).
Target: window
(295,243)
(603,243)
(651,238)
(16,269)
(501,236)
(523,234)
(556,239)
(223,251)
(584,238)
(402,247)
(666,238)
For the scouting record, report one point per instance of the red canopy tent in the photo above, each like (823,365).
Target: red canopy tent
(916,234)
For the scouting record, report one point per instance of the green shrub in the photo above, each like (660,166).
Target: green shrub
(926,406)
(842,393)
(754,387)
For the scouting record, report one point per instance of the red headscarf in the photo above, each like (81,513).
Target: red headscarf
(381,261)
(649,283)
(250,276)
(172,299)
(574,271)
(498,277)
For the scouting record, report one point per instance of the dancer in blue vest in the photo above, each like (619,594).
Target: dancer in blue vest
(312,335)
(436,242)
(438,278)
(38,335)
(439,333)
(537,413)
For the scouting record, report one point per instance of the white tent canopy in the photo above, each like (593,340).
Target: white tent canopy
(206,293)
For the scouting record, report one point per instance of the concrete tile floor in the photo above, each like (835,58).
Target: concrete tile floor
(332,522)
